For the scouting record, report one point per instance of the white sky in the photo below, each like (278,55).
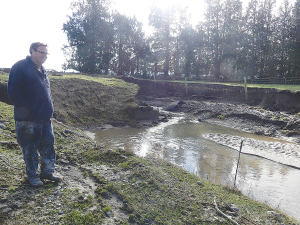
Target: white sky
(25,21)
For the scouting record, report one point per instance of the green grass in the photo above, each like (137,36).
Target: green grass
(98,78)
(7,115)
(75,210)
(161,193)
(3,77)
(292,88)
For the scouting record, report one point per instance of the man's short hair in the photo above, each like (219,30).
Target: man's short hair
(35,45)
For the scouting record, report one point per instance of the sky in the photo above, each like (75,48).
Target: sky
(25,21)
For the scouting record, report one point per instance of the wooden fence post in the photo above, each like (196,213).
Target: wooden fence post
(246,91)
(186,86)
(237,166)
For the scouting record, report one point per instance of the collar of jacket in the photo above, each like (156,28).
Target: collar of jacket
(31,63)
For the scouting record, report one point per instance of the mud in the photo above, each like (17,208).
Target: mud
(267,98)
(282,126)
(262,111)
(74,180)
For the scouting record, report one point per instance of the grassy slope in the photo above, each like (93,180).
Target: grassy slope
(89,100)
(155,191)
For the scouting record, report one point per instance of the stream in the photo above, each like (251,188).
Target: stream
(182,141)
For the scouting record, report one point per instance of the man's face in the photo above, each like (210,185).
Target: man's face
(39,56)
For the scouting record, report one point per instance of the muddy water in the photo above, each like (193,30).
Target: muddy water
(181,142)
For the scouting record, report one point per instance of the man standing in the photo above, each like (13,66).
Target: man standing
(29,91)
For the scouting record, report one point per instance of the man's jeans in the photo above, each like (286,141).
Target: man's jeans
(34,137)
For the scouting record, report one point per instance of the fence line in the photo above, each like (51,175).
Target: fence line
(283,81)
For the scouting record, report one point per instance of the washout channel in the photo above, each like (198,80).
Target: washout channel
(211,152)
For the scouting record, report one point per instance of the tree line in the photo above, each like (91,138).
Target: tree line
(232,42)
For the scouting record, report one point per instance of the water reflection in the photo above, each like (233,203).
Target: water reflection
(181,142)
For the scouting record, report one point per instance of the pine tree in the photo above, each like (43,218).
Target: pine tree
(88,35)
(282,39)
(295,40)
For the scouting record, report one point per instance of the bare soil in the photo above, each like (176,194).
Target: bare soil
(281,126)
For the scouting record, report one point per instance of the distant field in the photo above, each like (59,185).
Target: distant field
(293,88)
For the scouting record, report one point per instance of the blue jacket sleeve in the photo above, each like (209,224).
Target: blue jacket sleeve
(16,86)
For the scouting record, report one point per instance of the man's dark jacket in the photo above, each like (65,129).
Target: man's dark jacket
(29,91)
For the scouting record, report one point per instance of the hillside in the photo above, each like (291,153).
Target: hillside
(110,186)
(93,101)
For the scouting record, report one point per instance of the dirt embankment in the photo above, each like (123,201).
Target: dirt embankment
(88,103)
(267,98)
(266,112)
(273,112)
(94,102)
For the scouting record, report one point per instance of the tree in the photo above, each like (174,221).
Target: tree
(188,39)
(266,34)
(182,34)
(282,39)
(251,43)
(140,47)
(88,34)
(122,34)
(231,38)
(162,21)
(227,44)
(202,60)
(295,40)
(213,25)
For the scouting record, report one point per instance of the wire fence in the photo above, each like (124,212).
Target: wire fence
(285,81)
(282,81)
